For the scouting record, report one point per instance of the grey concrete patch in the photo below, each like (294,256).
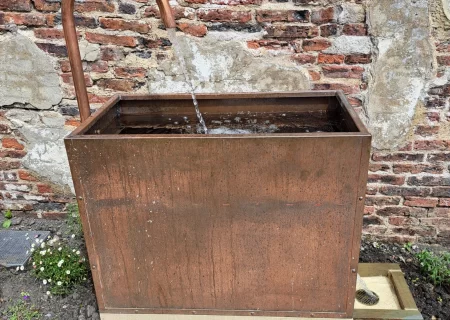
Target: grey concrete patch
(225,66)
(350,45)
(401,71)
(27,76)
(15,246)
(44,133)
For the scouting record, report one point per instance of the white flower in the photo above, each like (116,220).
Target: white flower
(22,268)
(18,268)
(42,269)
(59,283)
(73,250)
(34,263)
(60,262)
(32,245)
(37,241)
(42,252)
(41,240)
(49,280)
(44,281)
(59,249)
(78,252)
(32,250)
(43,245)
(48,293)
(84,279)
(67,271)
(73,236)
(27,251)
(40,262)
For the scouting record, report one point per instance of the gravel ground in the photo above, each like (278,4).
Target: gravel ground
(80,304)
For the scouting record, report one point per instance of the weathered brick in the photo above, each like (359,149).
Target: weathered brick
(27,176)
(121,24)
(26,19)
(358,59)
(386,178)
(130,72)
(282,15)
(421,202)
(435,102)
(48,33)
(316,44)
(9,165)
(381,201)
(432,145)
(46,6)
(434,157)
(368,210)
(111,54)
(442,192)
(330,58)
(355,29)
(88,22)
(67,78)
(374,167)
(54,49)
(12,143)
(444,202)
(179,12)
(224,15)
(336,71)
(13,154)
(429,181)
(402,220)
(125,41)
(417,168)
(230,2)
(328,30)
(302,58)
(372,219)
(72,123)
(393,211)
(4,128)
(433,116)
(125,85)
(127,8)
(425,131)
(399,156)
(325,15)
(289,31)
(90,6)
(423,231)
(314,75)
(44,188)
(371,190)
(348,89)
(15,5)
(405,191)
(8,176)
(196,30)
(268,44)
(443,60)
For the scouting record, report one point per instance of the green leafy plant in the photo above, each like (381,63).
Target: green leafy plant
(408,246)
(8,216)
(73,219)
(436,267)
(60,267)
(22,309)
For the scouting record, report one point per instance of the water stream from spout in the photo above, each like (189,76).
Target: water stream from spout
(180,56)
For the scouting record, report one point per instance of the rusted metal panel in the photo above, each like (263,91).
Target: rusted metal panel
(222,224)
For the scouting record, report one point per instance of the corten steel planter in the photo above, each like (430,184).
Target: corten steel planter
(264,224)
(261,224)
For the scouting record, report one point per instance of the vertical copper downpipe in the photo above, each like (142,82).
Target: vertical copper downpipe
(70,34)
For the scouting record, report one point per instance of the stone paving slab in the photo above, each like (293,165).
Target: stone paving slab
(15,246)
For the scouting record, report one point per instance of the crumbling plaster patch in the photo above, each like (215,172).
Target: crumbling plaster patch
(27,76)
(402,36)
(224,65)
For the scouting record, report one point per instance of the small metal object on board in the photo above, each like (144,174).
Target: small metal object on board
(15,246)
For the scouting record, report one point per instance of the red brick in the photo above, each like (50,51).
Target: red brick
(179,12)
(224,15)
(386,178)
(358,59)
(289,31)
(417,168)
(125,41)
(444,202)
(196,1)
(337,71)
(354,101)
(433,116)
(416,231)
(25,175)
(331,58)
(15,5)
(380,201)
(374,167)
(72,123)
(44,188)
(399,156)
(432,145)
(130,72)
(429,181)
(325,15)
(302,58)
(90,6)
(425,131)
(98,66)
(401,221)
(404,191)
(421,202)
(43,5)
(49,33)
(93,98)
(26,19)
(4,128)
(348,89)
(196,30)
(328,30)
(282,15)
(14,154)
(393,211)
(230,2)
(443,60)
(314,75)
(371,190)
(268,44)
(442,192)
(372,220)
(67,78)
(9,165)
(316,44)
(121,24)
(12,143)
(53,49)
(432,157)
(369,210)
(125,85)
(111,54)
(355,29)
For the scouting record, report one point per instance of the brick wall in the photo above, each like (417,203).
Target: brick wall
(408,195)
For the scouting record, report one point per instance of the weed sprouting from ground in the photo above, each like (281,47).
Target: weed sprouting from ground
(436,267)
(22,309)
(73,220)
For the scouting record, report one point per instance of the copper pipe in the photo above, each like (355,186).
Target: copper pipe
(70,34)
(166,13)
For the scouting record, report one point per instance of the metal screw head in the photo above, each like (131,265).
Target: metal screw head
(360,198)
(252,313)
(80,198)
(94,267)
(354,270)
